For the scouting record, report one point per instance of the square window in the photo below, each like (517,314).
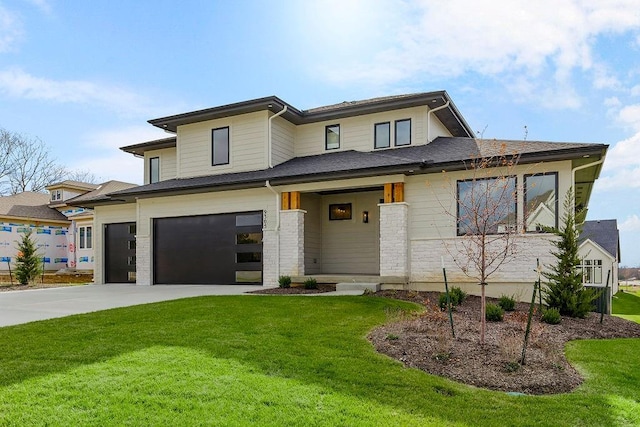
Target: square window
(154,169)
(382,137)
(220,146)
(332,137)
(487,206)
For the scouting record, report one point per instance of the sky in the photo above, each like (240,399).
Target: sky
(85,76)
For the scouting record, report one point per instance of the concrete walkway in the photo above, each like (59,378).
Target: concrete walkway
(18,307)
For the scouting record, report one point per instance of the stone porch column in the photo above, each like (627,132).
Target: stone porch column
(143,260)
(292,242)
(394,239)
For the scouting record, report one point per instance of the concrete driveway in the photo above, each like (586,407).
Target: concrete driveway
(39,304)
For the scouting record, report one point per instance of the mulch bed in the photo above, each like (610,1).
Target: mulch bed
(296,290)
(50,281)
(424,341)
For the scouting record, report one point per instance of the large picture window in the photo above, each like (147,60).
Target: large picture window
(541,201)
(332,137)
(487,206)
(220,146)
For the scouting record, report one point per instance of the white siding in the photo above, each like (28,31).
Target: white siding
(357,133)
(247,145)
(350,246)
(103,215)
(282,140)
(168,163)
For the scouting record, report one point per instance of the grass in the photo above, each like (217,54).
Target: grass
(627,305)
(272,361)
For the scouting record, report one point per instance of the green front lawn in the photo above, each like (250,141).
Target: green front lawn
(269,360)
(627,305)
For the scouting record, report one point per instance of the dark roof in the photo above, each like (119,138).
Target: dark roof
(139,149)
(100,191)
(444,153)
(449,116)
(605,233)
(29,205)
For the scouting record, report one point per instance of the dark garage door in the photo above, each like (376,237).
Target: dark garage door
(208,249)
(120,252)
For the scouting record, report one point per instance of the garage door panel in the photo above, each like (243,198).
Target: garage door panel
(208,249)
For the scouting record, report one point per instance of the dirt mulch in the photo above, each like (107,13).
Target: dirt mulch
(296,290)
(424,341)
(49,281)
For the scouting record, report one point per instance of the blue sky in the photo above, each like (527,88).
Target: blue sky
(85,76)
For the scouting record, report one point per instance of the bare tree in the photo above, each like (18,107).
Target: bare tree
(485,216)
(27,165)
(82,175)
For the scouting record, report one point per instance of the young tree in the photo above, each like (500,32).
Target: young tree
(564,289)
(28,265)
(486,216)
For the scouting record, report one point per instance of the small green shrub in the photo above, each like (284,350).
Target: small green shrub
(311,283)
(284,281)
(494,313)
(507,303)
(551,316)
(458,296)
(392,337)
(442,301)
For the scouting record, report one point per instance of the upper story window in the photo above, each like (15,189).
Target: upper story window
(403,132)
(56,195)
(486,206)
(220,146)
(541,201)
(154,169)
(382,137)
(332,137)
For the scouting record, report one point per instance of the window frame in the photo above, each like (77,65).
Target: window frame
(515,203)
(591,270)
(326,136)
(395,132)
(56,195)
(526,192)
(226,161)
(375,135)
(85,237)
(151,169)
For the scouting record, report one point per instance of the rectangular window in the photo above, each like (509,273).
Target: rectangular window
(220,146)
(154,169)
(592,271)
(248,257)
(56,195)
(248,238)
(487,206)
(339,211)
(85,238)
(541,201)
(403,132)
(382,137)
(332,137)
(248,220)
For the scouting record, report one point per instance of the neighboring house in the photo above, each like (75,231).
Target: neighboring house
(63,233)
(600,253)
(246,192)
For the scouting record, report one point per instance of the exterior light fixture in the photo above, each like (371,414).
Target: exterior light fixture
(365,217)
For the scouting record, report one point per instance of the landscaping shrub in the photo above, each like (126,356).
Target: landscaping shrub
(494,313)
(311,284)
(284,281)
(507,303)
(458,296)
(551,316)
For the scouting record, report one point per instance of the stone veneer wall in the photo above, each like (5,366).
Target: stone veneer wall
(269,257)
(143,260)
(292,242)
(394,226)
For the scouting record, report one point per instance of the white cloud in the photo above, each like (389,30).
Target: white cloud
(10,29)
(622,165)
(43,5)
(630,116)
(630,224)
(20,84)
(534,47)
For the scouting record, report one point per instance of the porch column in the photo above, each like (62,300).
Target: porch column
(394,242)
(143,260)
(292,242)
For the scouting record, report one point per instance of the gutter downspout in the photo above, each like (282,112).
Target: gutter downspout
(269,143)
(277,227)
(442,107)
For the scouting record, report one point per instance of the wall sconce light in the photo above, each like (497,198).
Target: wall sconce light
(365,217)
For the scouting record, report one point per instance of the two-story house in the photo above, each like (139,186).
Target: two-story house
(247,192)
